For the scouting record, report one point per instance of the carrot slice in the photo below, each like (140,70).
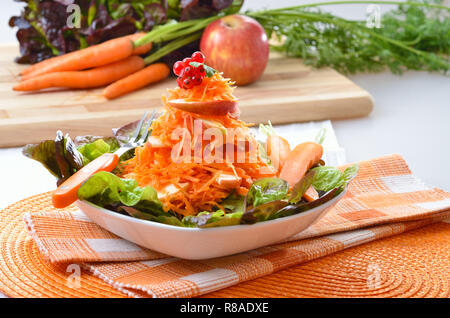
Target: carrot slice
(278,150)
(66,193)
(300,160)
(242,191)
(311,194)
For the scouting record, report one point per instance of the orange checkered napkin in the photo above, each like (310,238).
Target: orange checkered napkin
(384,199)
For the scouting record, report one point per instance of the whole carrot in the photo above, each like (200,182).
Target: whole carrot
(94,56)
(277,149)
(136,51)
(300,160)
(139,50)
(151,74)
(96,77)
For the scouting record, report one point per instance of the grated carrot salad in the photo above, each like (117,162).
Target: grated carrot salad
(196,180)
(212,88)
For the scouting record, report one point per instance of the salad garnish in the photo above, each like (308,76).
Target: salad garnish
(191,71)
(210,88)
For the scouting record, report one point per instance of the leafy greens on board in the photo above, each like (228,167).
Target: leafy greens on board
(414,35)
(43,31)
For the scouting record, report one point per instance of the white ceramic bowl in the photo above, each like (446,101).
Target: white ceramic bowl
(197,243)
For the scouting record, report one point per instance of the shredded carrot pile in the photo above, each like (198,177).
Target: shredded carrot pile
(195,177)
(212,88)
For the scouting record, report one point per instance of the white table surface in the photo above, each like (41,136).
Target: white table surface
(411,117)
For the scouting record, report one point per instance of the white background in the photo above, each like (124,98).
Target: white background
(411,117)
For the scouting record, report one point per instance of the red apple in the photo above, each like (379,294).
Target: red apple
(208,108)
(237,46)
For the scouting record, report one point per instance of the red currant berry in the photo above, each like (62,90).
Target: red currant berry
(180,82)
(187,83)
(188,71)
(202,74)
(178,67)
(197,80)
(198,57)
(186,61)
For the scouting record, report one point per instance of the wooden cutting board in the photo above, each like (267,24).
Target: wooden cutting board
(288,92)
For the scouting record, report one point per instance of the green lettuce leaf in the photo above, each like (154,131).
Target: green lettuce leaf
(226,220)
(107,189)
(350,173)
(234,203)
(301,187)
(300,207)
(72,155)
(98,147)
(44,152)
(63,163)
(110,140)
(327,178)
(262,212)
(60,156)
(212,219)
(166,219)
(329,181)
(63,157)
(266,190)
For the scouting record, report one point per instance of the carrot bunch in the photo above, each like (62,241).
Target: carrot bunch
(115,63)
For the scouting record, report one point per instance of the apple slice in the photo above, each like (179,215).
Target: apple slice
(171,189)
(208,108)
(155,142)
(228,181)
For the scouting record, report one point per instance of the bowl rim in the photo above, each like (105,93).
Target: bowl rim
(211,229)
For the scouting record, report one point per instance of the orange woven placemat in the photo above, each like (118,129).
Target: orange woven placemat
(23,271)
(414,264)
